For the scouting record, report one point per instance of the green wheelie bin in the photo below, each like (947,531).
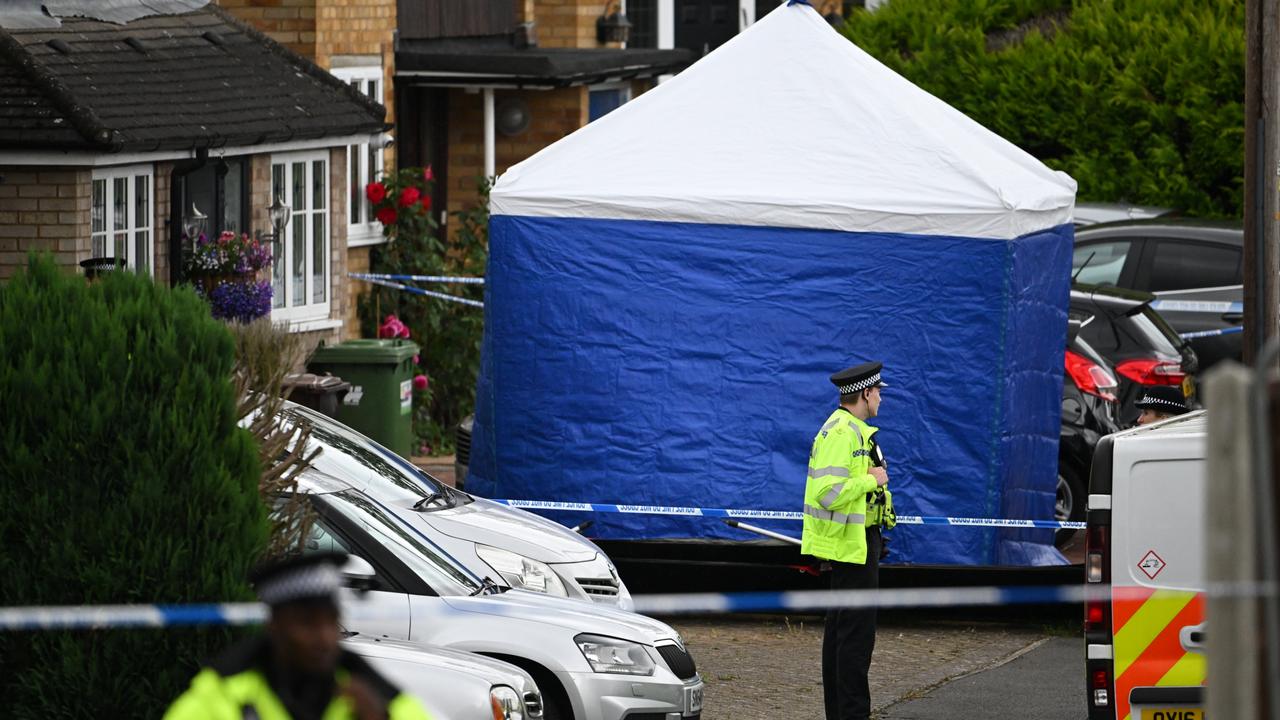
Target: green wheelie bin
(380,402)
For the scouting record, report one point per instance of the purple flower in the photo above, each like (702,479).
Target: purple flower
(243,301)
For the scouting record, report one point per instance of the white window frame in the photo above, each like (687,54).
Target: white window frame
(368,231)
(102,242)
(623,85)
(284,307)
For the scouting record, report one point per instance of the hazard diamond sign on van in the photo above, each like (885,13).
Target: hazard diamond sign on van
(1151,564)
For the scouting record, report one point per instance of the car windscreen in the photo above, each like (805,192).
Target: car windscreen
(430,563)
(1137,333)
(355,459)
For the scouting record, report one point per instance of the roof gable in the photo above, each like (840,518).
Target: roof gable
(166,81)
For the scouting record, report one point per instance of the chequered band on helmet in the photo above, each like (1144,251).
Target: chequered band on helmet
(314,581)
(1149,400)
(862,384)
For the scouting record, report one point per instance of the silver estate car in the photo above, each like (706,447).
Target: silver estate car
(590,662)
(452,685)
(515,547)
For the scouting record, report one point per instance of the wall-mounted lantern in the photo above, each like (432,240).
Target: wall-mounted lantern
(613,27)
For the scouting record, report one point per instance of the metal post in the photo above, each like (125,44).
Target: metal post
(1263,433)
(1232,620)
(1262,175)
(489,140)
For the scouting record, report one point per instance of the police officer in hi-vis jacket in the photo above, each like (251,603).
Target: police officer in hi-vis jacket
(846,502)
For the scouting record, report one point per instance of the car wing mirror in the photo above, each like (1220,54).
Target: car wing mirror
(357,573)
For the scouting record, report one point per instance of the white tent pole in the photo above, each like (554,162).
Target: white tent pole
(489,163)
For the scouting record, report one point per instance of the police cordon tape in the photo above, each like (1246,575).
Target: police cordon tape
(416,290)
(1211,333)
(98,617)
(101,617)
(780,514)
(1204,306)
(464,280)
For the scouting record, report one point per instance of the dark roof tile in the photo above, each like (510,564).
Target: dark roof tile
(183,91)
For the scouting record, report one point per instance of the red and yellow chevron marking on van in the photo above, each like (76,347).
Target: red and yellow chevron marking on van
(1147,649)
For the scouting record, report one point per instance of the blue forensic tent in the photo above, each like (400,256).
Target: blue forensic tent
(670,287)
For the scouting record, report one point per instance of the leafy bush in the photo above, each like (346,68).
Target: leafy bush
(449,333)
(1139,101)
(123,479)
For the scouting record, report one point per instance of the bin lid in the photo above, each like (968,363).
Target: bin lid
(366,352)
(311,381)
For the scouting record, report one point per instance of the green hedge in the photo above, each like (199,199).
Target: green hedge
(123,479)
(1140,101)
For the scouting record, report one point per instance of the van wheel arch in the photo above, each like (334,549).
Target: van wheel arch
(555,699)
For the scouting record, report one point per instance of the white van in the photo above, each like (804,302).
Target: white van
(1144,568)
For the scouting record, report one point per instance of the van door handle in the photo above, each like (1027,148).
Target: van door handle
(1235,318)
(1192,638)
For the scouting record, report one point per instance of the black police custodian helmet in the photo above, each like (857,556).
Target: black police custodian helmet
(313,577)
(858,377)
(1162,398)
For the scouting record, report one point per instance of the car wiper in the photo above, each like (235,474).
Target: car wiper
(1087,260)
(487,587)
(456,494)
(424,502)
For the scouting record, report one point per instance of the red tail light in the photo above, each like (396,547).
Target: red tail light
(1090,377)
(1097,552)
(1100,679)
(1151,371)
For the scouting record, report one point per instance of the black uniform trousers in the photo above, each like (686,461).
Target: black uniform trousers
(849,638)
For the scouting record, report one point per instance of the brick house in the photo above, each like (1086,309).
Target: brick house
(355,41)
(482,84)
(117,119)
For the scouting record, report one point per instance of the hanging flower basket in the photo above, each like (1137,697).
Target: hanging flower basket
(226,272)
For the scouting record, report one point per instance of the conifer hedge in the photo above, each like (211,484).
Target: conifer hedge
(1139,101)
(123,479)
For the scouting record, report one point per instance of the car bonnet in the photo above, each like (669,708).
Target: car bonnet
(434,659)
(573,615)
(489,523)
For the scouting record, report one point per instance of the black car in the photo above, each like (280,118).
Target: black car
(1090,409)
(1122,327)
(1194,267)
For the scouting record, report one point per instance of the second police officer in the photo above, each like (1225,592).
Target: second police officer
(846,502)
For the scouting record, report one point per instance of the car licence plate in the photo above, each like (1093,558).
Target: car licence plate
(693,700)
(1172,714)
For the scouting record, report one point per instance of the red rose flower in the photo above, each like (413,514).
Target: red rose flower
(428,175)
(376,192)
(420,382)
(426,203)
(387,216)
(408,196)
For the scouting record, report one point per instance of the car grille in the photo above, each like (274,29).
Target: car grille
(462,451)
(680,661)
(599,588)
(533,704)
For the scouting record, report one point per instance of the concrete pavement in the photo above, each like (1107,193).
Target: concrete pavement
(1046,682)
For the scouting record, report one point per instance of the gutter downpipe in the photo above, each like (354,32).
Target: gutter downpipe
(489,136)
(181,169)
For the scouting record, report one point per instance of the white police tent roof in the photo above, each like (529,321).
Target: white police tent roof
(791,125)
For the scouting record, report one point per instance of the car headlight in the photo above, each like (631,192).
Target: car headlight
(522,572)
(505,703)
(610,655)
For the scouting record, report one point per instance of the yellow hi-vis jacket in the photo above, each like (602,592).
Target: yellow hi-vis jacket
(236,687)
(835,495)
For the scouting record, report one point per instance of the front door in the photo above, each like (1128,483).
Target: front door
(704,25)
